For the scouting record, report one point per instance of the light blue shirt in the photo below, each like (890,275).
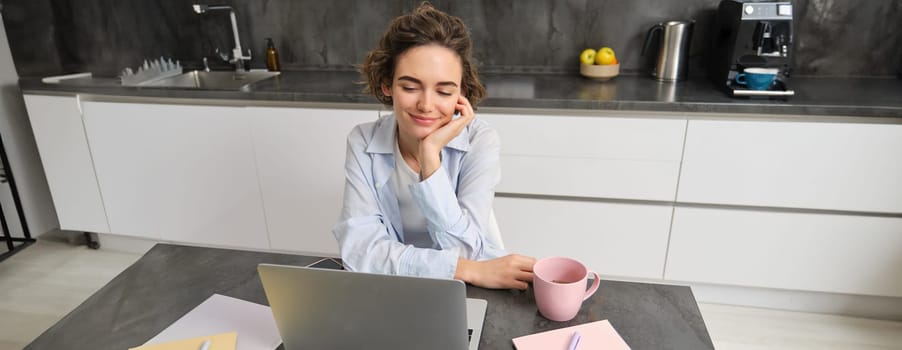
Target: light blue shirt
(456,201)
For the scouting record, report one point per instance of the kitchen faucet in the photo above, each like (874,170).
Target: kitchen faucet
(238,58)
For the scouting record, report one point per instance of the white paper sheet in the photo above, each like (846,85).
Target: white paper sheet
(219,314)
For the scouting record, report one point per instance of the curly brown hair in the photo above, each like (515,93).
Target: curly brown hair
(426,25)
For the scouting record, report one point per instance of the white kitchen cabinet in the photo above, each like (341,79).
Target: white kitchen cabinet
(833,166)
(300,160)
(629,158)
(613,239)
(66,157)
(177,172)
(796,251)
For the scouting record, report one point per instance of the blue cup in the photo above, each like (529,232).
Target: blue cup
(757,78)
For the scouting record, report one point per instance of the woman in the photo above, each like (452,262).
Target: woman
(420,182)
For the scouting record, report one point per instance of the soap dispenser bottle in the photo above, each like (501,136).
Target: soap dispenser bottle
(272,57)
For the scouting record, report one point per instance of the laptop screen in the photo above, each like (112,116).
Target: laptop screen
(334,309)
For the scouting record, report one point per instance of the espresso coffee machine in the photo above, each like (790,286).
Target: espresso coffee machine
(752,34)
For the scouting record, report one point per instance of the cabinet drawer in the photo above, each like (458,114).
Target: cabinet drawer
(177,173)
(854,167)
(300,156)
(60,137)
(809,252)
(589,156)
(613,239)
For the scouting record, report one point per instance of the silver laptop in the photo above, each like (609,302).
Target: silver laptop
(334,309)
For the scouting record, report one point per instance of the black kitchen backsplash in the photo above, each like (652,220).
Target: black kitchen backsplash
(832,37)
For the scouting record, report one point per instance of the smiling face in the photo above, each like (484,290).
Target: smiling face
(424,90)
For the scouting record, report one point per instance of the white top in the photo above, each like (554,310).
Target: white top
(412,219)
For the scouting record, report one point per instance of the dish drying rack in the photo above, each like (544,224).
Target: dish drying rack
(150,71)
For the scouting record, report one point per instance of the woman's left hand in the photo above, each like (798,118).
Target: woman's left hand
(509,271)
(431,146)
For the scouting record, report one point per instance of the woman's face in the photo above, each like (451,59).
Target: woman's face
(425,89)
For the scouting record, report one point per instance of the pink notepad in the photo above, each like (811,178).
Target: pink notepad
(594,335)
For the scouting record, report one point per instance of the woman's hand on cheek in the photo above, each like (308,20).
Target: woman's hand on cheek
(431,146)
(441,136)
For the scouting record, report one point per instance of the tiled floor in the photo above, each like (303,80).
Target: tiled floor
(39,285)
(43,282)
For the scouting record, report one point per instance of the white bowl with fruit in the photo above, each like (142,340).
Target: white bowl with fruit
(599,65)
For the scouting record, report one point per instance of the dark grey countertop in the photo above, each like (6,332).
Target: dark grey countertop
(170,280)
(854,97)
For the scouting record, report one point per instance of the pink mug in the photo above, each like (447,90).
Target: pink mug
(560,287)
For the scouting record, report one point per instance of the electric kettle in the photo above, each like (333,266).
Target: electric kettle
(673,49)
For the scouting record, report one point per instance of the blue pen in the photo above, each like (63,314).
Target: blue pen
(574,342)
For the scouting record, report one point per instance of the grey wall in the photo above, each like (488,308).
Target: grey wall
(833,37)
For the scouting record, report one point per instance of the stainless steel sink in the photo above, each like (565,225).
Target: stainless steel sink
(214,80)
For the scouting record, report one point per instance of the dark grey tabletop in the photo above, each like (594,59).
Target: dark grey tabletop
(855,97)
(170,280)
